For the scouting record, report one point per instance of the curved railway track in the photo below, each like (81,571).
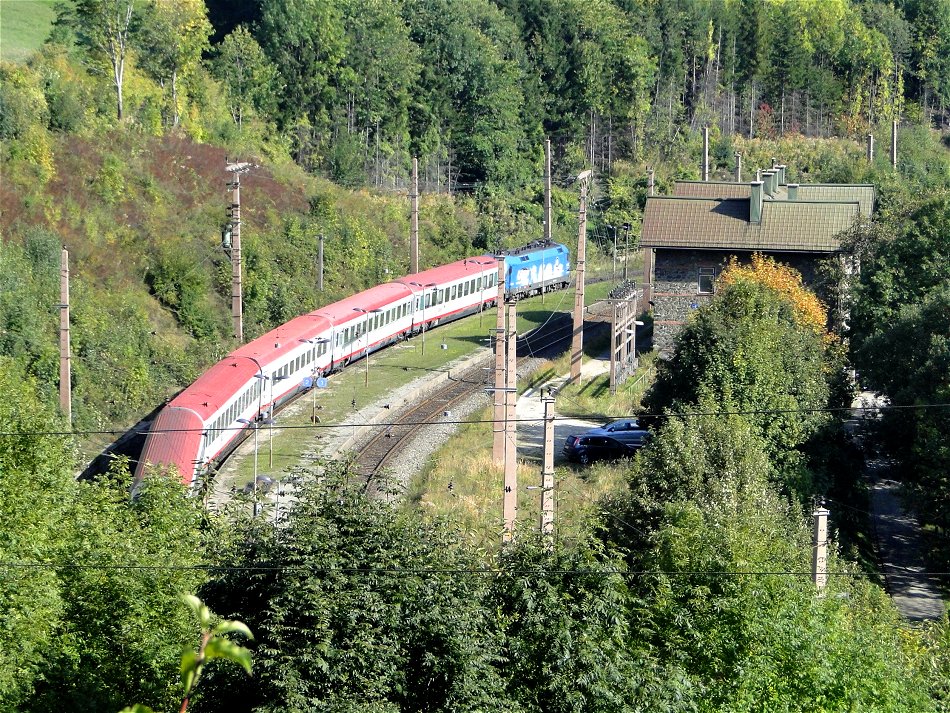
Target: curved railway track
(388,441)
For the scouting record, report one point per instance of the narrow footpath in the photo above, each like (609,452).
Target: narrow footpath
(897,533)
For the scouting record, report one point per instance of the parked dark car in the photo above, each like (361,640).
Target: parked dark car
(628,431)
(624,424)
(587,448)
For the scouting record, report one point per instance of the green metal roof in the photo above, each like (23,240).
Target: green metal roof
(790,226)
(711,189)
(863,194)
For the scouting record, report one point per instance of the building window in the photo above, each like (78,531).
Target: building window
(707,280)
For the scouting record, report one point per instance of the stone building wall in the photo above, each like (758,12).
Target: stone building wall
(675,284)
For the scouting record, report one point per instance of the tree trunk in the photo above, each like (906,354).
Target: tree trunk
(751,108)
(176,118)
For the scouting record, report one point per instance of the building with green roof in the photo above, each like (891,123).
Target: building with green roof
(689,237)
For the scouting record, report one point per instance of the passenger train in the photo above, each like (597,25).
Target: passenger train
(205,422)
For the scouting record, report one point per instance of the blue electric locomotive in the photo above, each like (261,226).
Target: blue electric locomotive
(539,266)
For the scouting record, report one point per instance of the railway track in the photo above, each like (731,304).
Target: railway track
(387,442)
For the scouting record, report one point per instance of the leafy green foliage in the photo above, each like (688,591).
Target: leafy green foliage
(358,603)
(732,602)
(747,351)
(901,315)
(571,639)
(86,621)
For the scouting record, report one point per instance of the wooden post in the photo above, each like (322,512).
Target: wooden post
(414,222)
(320,261)
(705,153)
(65,366)
(577,343)
(547,190)
(894,144)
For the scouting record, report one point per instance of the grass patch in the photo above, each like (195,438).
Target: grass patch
(24,26)
(592,399)
(463,485)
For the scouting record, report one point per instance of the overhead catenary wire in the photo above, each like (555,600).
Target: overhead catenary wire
(412,571)
(588,416)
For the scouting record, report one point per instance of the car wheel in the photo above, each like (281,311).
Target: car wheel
(584,458)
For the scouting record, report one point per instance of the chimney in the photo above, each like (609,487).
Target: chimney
(782,177)
(768,176)
(773,162)
(792,191)
(755,202)
(758,174)
(738,167)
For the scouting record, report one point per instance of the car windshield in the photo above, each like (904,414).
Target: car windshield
(627,424)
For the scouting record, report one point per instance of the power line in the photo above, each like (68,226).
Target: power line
(588,416)
(435,571)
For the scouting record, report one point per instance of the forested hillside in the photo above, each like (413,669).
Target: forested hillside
(688,589)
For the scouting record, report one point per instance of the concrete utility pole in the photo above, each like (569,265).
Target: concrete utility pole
(577,344)
(547,190)
(237,299)
(894,144)
(320,261)
(738,167)
(498,414)
(651,181)
(414,221)
(65,366)
(510,502)
(870,148)
(820,547)
(705,153)
(547,472)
